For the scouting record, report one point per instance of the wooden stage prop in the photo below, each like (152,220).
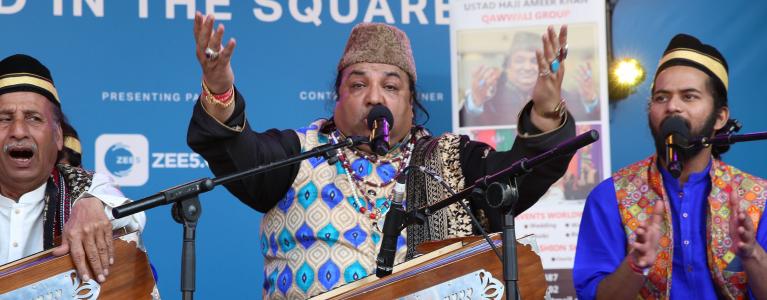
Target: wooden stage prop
(463,268)
(44,276)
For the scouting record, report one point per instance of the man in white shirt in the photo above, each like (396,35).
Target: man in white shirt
(44,205)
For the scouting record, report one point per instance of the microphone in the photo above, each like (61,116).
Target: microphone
(676,134)
(380,123)
(391,230)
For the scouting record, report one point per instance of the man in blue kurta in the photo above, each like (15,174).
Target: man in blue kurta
(646,234)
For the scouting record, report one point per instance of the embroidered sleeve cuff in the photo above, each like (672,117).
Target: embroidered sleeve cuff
(527,129)
(237,121)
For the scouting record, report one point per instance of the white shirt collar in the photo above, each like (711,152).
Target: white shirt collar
(33,196)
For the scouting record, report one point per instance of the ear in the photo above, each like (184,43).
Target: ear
(721,117)
(59,135)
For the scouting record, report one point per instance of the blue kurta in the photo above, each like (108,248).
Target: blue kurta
(602,243)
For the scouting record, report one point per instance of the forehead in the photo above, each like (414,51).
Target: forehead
(681,77)
(24,100)
(373,69)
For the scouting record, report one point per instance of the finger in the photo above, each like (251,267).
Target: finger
(658,212)
(641,238)
(542,65)
(548,51)
(197,26)
(62,249)
(746,226)
(744,236)
(226,54)
(205,32)
(103,252)
(78,258)
(110,245)
(563,35)
(478,72)
(92,254)
(554,40)
(218,36)
(485,74)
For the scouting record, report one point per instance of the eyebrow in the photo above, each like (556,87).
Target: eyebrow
(393,74)
(363,73)
(687,90)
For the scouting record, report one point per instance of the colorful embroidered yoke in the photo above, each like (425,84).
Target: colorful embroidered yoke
(315,238)
(640,185)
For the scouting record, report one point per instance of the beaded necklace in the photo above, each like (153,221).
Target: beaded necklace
(358,183)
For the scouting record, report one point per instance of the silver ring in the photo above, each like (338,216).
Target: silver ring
(562,53)
(211,54)
(544,73)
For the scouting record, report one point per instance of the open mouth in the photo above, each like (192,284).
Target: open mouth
(21,153)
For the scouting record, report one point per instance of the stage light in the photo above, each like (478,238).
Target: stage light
(624,76)
(628,72)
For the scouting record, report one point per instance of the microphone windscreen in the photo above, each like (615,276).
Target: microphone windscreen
(380,111)
(675,125)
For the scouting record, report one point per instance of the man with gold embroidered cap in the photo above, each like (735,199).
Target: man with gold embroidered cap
(44,205)
(322,220)
(646,234)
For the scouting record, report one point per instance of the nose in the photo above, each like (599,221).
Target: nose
(674,105)
(18,129)
(375,95)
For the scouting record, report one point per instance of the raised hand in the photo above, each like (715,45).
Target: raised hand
(644,249)
(216,63)
(742,232)
(483,84)
(548,88)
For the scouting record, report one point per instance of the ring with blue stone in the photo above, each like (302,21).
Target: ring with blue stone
(554,66)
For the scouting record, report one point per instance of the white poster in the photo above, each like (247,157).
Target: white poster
(493,72)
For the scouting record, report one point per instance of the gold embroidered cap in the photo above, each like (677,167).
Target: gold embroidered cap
(379,43)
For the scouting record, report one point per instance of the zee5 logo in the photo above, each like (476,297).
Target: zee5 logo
(125,157)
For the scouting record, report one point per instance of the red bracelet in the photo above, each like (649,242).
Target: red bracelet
(638,270)
(224,99)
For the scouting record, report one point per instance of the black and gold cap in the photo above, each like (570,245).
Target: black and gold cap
(687,50)
(22,72)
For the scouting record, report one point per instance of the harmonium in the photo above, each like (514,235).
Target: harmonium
(44,276)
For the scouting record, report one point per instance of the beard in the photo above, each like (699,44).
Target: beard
(688,153)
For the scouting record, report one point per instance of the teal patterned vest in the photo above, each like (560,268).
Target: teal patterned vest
(314,239)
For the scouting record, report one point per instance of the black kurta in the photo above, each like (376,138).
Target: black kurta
(236,147)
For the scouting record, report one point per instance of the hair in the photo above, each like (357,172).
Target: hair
(62,122)
(719,94)
(418,108)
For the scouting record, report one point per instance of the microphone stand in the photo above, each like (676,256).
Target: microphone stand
(186,208)
(500,194)
(728,139)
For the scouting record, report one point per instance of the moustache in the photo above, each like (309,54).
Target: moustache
(22,144)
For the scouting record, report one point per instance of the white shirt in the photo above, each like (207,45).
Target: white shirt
(21,223)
